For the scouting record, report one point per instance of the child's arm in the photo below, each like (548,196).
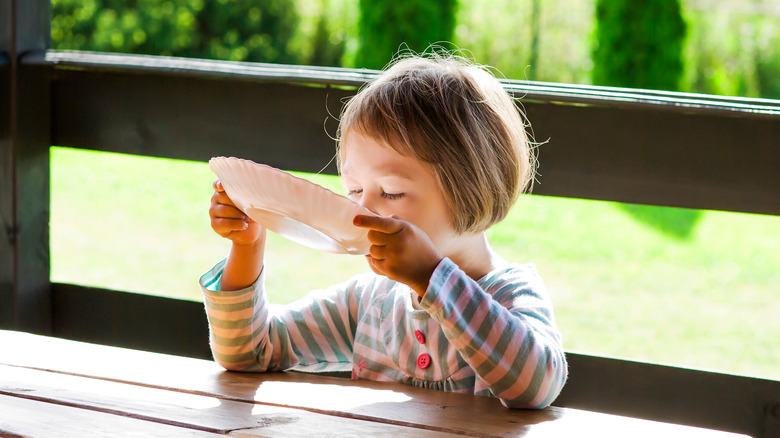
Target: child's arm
(245,260)
(249,334)
(246,334)
(508,336)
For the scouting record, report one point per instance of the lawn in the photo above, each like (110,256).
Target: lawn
(692,288)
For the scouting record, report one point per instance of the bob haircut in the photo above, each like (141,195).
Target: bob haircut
(456,117)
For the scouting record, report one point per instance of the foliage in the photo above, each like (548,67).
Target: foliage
(324,50)
(639,43)
(501,33)
(384,26)
(734,52)
(730,49)
(768,71)
(619,288)
(251,30)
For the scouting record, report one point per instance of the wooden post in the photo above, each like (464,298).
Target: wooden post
(6,172)
(25,130)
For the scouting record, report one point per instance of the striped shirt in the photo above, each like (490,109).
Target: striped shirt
(492,337)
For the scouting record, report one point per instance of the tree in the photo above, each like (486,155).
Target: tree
(384,26)
(639,43)
(250,30)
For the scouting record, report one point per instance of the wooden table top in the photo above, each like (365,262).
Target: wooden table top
(55,387)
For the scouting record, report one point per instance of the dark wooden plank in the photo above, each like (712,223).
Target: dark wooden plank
(6,172)
(130,320)
(707,399)
(209,69)
(182,409)
(6,175)
(150,404)
(33,25)
(531,91)
(32,418)
(657,155)
(24,145)
(397,404)
(279,124)
(636,146)
(464,414)
(5,30)
(31,197)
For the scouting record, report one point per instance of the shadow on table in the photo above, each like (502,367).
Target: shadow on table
(294,402)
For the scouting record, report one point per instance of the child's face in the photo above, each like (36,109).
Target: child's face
(388,183)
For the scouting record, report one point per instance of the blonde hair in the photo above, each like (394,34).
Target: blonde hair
(455,116)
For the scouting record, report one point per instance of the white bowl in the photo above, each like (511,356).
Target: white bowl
(293,207)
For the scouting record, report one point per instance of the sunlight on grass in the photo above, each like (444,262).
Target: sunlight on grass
(690,288)
(141,224)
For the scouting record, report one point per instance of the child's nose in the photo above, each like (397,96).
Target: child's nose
(370,202)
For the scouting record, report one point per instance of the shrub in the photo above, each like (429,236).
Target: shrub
(639,43)
(250,30)
(385,25)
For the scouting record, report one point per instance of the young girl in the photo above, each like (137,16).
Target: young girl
(437,148)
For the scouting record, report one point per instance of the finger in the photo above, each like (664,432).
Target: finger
(378,238)
(227,212)
(372,263)
(378,253)
(223,226)
(221,198)
(387,225)
(217,184)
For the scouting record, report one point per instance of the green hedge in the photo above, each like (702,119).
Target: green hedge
(249,30)
(385,26)
(639,43)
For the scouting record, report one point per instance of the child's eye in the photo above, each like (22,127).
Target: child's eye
(393,195)
(355,192)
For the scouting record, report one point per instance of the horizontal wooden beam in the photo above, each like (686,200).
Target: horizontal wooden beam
(130,320)
(353,78)
(671,394)
(634,146)
(204,68)
(194,119)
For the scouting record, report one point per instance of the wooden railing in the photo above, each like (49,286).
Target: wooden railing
(637,146)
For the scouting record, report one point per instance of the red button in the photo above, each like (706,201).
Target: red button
(420,336)
(423,361)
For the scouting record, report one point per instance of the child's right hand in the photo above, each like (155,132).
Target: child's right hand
(229,221)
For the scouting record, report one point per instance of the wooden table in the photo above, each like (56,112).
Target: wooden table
(54,387)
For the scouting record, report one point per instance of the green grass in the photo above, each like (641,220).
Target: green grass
(691,288)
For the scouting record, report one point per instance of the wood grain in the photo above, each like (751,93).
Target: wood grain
(182,409)
(31,418)
(345,402)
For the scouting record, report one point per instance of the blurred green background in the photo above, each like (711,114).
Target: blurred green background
(729,47)
(685,287)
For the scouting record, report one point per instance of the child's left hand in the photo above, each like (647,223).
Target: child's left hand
(400,250)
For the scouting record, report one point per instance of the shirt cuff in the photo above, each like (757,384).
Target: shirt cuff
(209,284)
(433,301)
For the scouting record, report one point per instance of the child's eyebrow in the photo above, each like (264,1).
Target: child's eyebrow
(395,173)
(384,172)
